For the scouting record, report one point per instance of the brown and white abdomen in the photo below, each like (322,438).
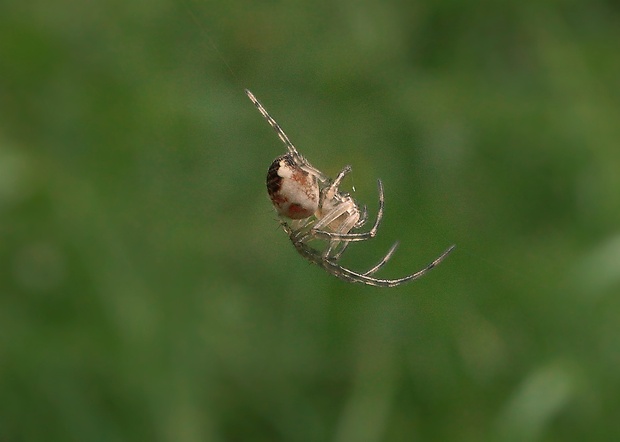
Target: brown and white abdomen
(293,191)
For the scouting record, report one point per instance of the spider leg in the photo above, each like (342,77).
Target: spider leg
(377,266)
(334,243)
(334,186)
(296,236)
(351,276)
(299,159)
(336,256)
(300,229)
(363,218)
(289,146)
(384,260)
(353,236)
(344,203)
(345,274)
(331,216)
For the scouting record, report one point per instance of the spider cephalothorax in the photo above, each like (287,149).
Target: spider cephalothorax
(319,211)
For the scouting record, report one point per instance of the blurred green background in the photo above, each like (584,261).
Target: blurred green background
(147,292)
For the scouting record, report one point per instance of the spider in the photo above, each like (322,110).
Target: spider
(318,210)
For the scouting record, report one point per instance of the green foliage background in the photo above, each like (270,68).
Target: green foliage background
(147,293)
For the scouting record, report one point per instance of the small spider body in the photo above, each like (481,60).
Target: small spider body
(319,211)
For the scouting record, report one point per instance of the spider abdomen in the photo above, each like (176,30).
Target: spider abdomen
(293,191)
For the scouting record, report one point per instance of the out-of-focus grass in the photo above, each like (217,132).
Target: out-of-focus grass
(146,292)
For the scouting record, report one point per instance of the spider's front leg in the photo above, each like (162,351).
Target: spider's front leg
(330,202)
(334,186)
